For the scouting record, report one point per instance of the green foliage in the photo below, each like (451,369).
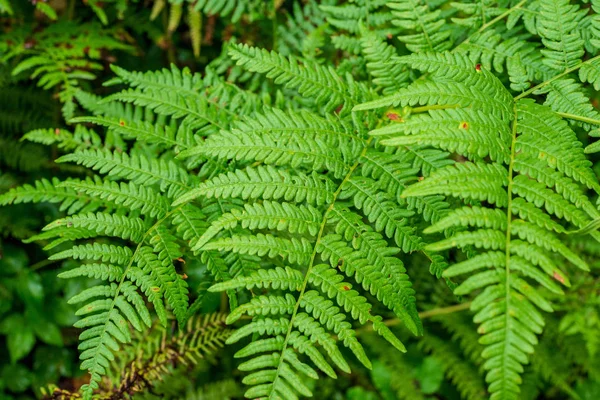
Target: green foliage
(513,182)
(267,182)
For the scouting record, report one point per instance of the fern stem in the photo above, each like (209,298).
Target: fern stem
(507,316)
(417,110)
(579,118)
(431,313)
(71,10)
(444,310)
(566,72)
(231,295)
(498,18)
(274,25)
(314,255)
(41,264)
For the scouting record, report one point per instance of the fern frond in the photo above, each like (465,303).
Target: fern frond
(556,25)
(310,79)
(265,182)
(278,278)
(170,285)
(447,94)
(104,252)
(471,133)
(295,151)
(388,74)
(182,80)
(457,180)
(524,204)
(107,326)
(51,191)
(130,195)
(494,50)
(293,250)
(567,96)
(140,169)
(423,27)
(144,131)
(268,215)
(128,228)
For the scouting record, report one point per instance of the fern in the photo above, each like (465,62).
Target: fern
(423,27)
(145,360)
(349,20)
(319,83)
(56,59)
(510,183)
(564,46)
(144,218)
(301,183)
(312,206)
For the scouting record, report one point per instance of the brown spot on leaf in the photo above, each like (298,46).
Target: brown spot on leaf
(558,277)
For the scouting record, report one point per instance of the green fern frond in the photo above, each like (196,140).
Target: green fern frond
(268,215)
(567,96)
(107,326)
(104,252)
(226,7)
(541,158)
(140,169)
(128,228)
(278,278)
(144,131)
(387,73)
(470,133)
(423,27)
(454,181)
(265,182)
(51,191)
(307,203)
(494,51)
(171,286)
(556,25)
(293,250)
(130,195)
(310,79)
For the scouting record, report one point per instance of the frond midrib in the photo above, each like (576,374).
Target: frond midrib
(124,278)
(312,260)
